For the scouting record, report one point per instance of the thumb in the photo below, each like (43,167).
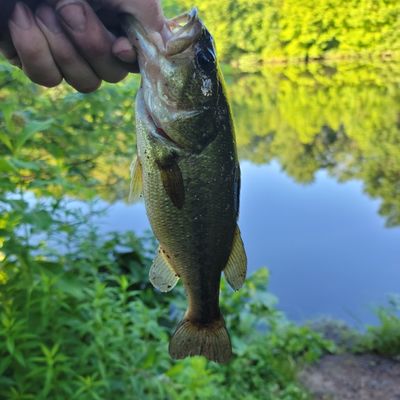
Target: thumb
(123,50)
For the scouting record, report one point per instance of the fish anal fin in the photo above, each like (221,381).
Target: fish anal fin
(172,180)
(162,275)
(236,267)
(136,186)
(209,340)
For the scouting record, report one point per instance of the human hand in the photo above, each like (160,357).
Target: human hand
(76,40)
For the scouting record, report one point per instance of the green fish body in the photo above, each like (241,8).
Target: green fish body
(188,172)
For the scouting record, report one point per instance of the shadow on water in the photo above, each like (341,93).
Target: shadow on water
(320,146)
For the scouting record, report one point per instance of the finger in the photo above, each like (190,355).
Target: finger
(148,12)
(32,49)
(72,65)
(91,39)
(125,52)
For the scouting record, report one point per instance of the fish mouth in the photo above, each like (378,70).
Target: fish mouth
(182,32)
(185,30)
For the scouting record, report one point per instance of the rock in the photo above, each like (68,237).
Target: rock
(353,377)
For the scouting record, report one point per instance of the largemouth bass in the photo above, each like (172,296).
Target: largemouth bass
(188,172)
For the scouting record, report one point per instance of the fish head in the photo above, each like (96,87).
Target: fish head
(189,65)
(180,78)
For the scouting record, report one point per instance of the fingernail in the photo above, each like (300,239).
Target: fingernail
(74,16)
(46,16)
(22,16)
(126,56)
(124,51)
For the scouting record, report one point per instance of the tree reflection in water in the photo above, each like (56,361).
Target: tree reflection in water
(343,117)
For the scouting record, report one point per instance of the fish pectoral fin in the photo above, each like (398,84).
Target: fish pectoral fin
(136,187)
(162,275)
(236,267)
(172,180)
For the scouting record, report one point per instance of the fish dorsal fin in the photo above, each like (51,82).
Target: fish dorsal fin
(236,267)
(162,275)
(136,187)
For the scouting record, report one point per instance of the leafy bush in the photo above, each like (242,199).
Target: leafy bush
(254,30)
(384,338)
(80,321)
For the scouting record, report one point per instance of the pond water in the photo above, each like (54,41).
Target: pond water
(320,196)
(327,249)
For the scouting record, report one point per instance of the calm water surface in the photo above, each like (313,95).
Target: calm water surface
(327,249)
(320,200)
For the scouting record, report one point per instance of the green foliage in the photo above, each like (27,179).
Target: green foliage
(172,8)
(384,339)
(71,327)
(247,31)
(52,140)
(79,320)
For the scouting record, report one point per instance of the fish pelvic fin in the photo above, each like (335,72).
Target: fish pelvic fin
(162,275)
(236,267)
(210,340)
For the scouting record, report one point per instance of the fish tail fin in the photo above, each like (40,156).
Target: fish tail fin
(210,340)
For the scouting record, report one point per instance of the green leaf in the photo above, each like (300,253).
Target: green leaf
(20,358)
(72,286)
(6,166)
(10,344)
(29,130)
(6,141)
(175,370)
(21,164)
(40,219)
(5,362)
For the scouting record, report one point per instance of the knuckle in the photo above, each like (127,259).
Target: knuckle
(98,49)
(32,55)
(66,58)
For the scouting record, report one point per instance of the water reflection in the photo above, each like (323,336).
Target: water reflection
(327,249)
(343,118)
(325,245)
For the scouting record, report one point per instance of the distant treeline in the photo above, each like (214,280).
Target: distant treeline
(247,31)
